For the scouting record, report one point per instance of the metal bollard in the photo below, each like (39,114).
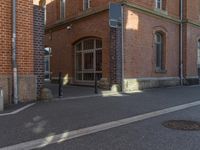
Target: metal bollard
(60,89)
(1,100)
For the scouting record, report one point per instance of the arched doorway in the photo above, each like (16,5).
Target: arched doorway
(88,60)
(47,55)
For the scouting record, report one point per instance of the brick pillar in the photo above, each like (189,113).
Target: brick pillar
(116,56)
(39,46)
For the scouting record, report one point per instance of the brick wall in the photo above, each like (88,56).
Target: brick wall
(141,22)
(25,50)
(39,46)
(116,56)
(62,43)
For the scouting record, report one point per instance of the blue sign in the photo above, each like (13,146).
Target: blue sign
(115,15)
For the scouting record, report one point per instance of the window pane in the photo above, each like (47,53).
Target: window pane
(88,44)
(46,63)
(88,61)
(98,43)
(78,62)
(158,55)
(158,38)
(99,76)
(79,47)
(79,76)
(88,76)
(99,60)
(47,76)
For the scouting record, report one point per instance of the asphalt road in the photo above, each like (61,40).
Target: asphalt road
(44,119)
(145,135)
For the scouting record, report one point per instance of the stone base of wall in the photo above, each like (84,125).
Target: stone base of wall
(191,81)
(145,83)
(27,88)
(104,84)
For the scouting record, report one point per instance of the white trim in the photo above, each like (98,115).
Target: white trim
(156,5)
(65,136)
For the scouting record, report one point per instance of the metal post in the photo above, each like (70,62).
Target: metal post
(14,59)
(95,84)
(122,46)
(181,42)
(60,89)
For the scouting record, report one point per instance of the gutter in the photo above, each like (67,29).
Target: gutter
(181,43)
(14,58)
(122,30)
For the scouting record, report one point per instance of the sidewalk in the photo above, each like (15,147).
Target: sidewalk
(73,91)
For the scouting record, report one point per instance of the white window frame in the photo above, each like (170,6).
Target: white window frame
(159,4)
(159,59)
(88,4)
(62,12)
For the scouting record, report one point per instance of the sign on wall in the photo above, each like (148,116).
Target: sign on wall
(115,15)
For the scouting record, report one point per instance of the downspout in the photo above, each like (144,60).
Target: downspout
(122,30)
(14,61)
(181,42)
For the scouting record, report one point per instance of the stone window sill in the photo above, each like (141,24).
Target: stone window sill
(161,71)
(160,11)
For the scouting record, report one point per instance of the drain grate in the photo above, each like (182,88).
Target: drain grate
(182,125)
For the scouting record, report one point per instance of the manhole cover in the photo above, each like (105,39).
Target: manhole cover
(182,125)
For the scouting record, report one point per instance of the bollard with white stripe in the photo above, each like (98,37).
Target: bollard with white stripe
(1,100)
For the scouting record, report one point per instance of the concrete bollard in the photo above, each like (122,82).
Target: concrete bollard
(1,100)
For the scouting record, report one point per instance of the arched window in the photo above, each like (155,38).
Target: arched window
(159,44)
(88,56)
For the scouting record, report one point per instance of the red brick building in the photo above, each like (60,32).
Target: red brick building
(156,44)
(29,49)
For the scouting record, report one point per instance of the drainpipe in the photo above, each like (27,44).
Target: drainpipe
(122,30)
(14,61)
(181,42)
